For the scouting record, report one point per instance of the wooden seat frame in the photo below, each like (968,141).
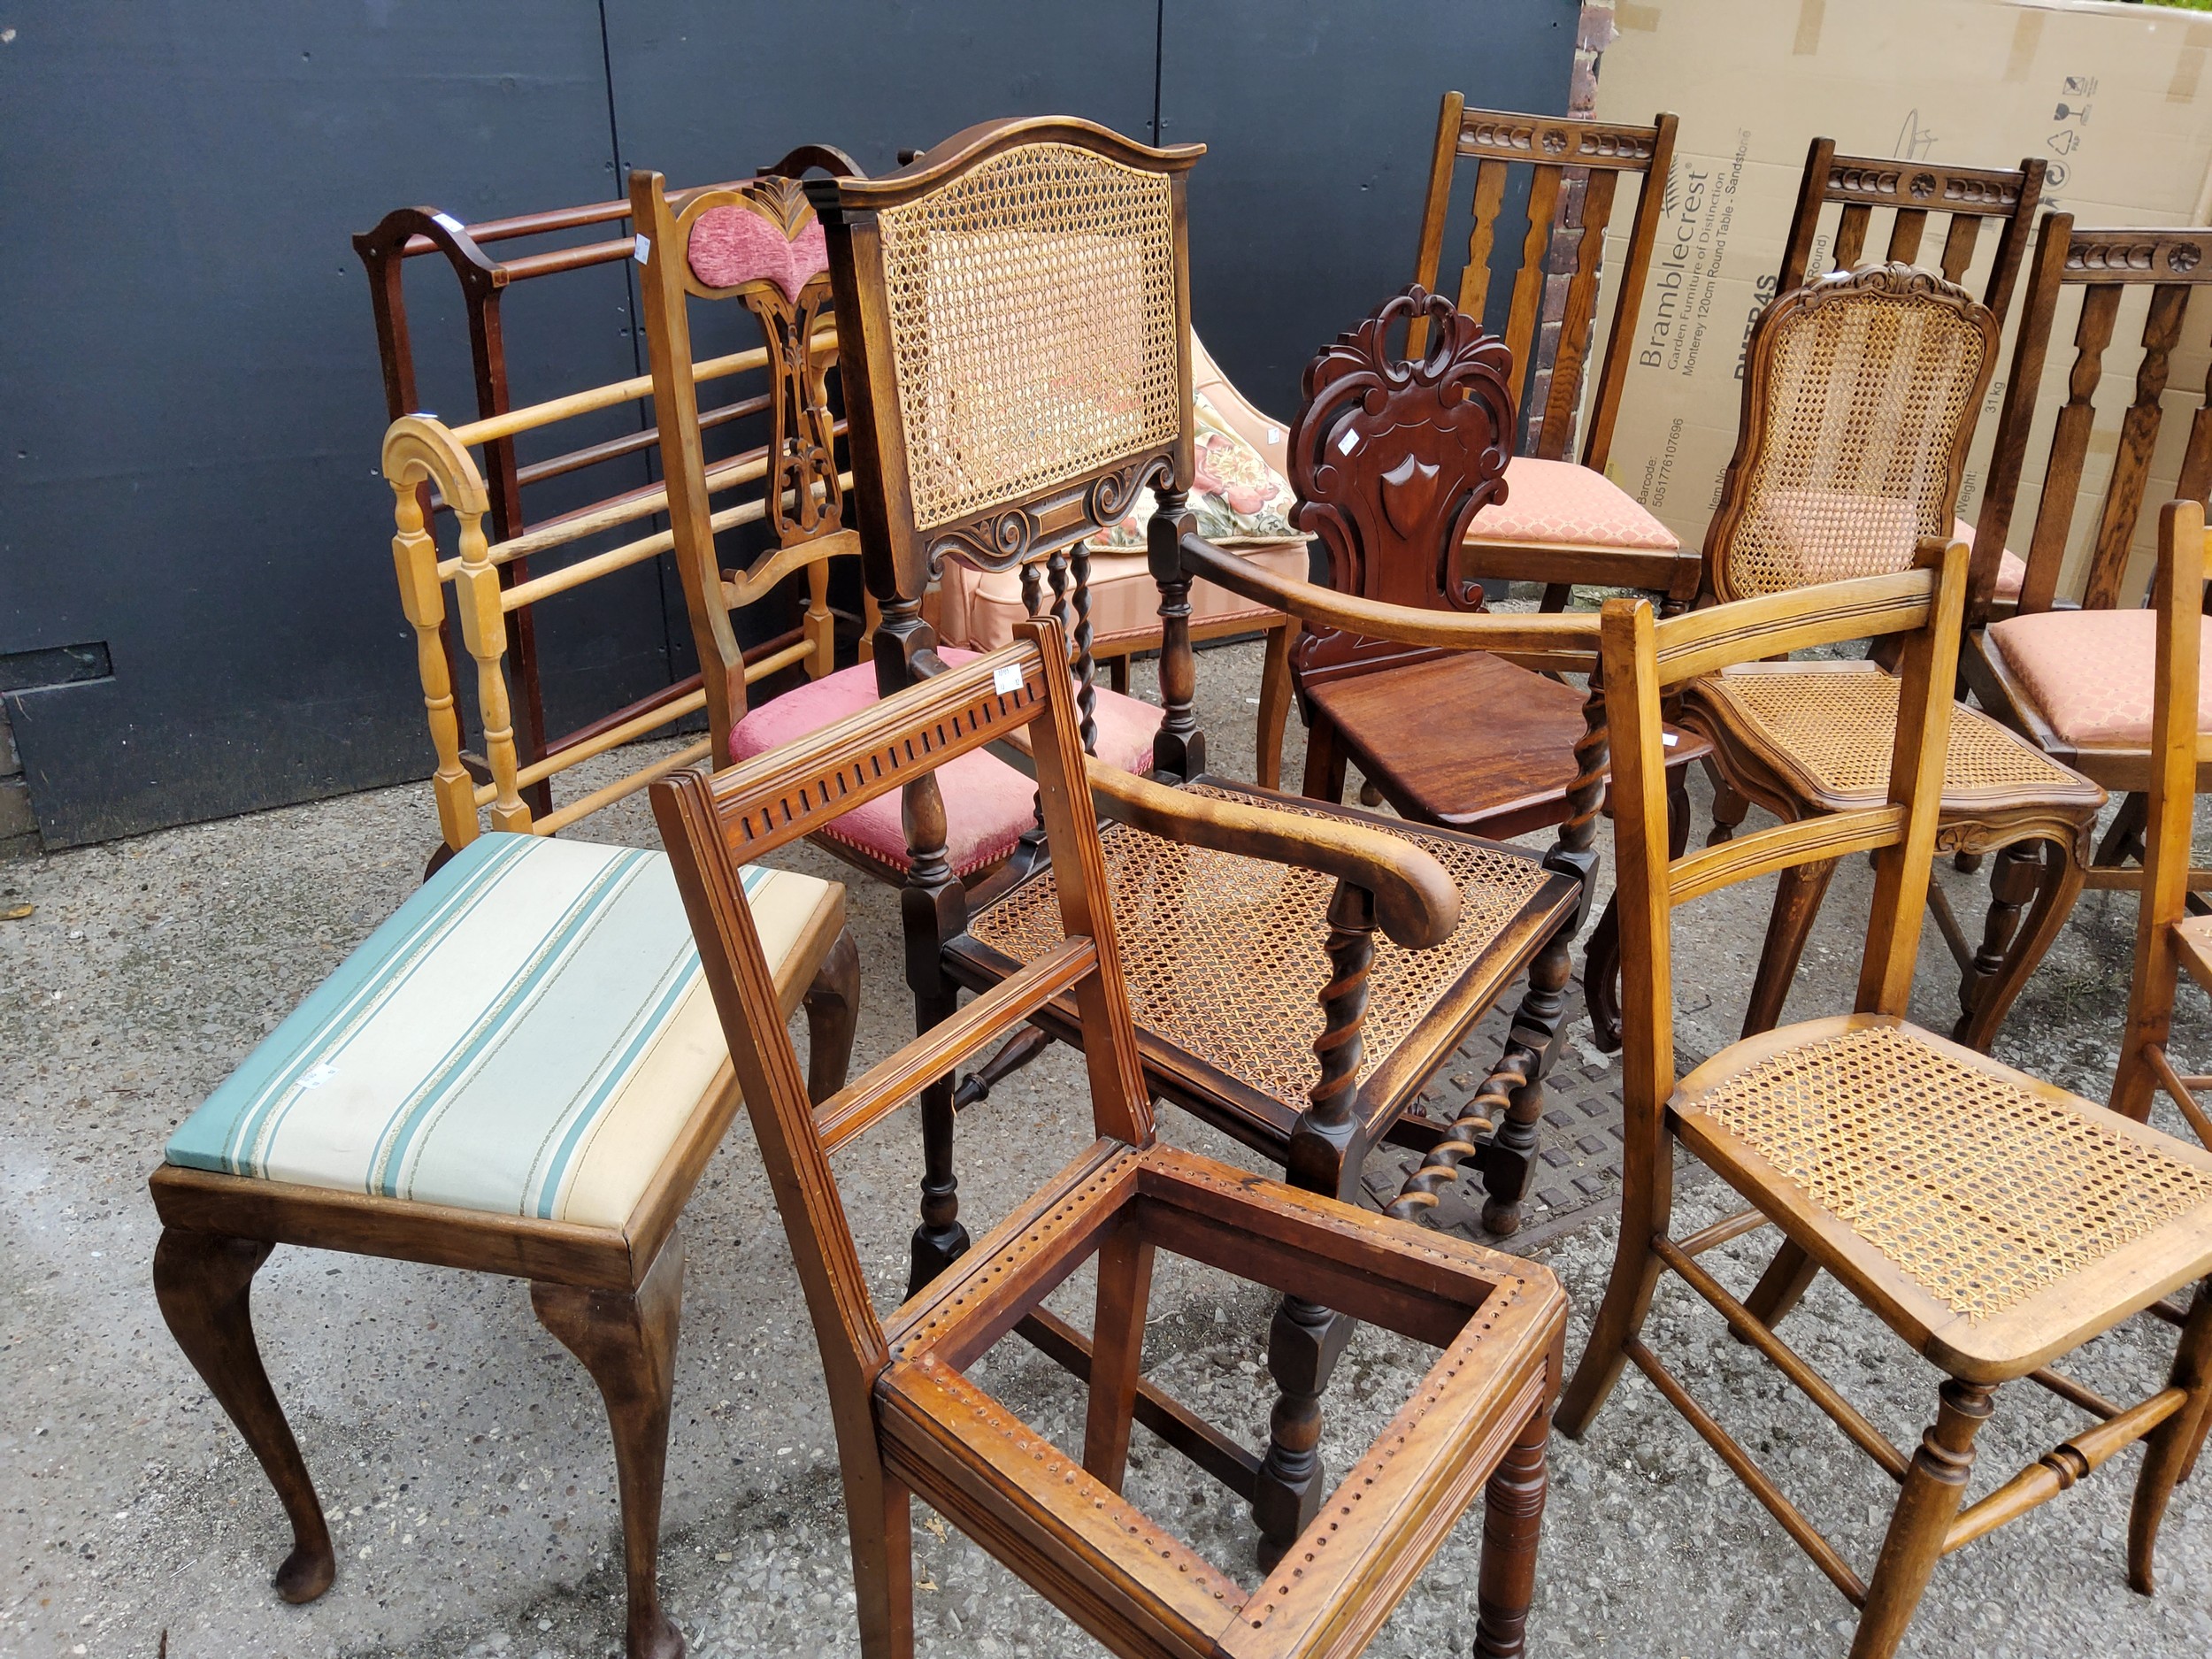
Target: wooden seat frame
(908,1422)
(1643,658)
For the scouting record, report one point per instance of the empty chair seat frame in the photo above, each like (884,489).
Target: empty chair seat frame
(909,1422)
(1996,1222)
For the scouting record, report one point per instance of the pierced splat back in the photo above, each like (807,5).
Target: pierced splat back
(1390,460)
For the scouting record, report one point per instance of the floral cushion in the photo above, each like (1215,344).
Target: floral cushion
(1239,500)
(2091,674)
(1561,503)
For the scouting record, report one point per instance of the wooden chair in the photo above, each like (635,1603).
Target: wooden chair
(1911,191)
(520,1072)
(1996,1222)
(1031,277)
(2078,680)
(1560,522)
(1858,398)
(909,1420)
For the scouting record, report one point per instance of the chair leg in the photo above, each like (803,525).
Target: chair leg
(1509,1163)
(1999,976)
(1934,1485)
(205,1284)
(1512,1518)
(1325,763)
(2124,837)
(1124,1286)
(1782,1285)
(1796,903)
(2172,1448)
(1646,1206)
(626,1340)
(880,1521)
(1305,1343)
(1275,702)
(1117,674)
(832,1006)
(1730,807)
(1601,979)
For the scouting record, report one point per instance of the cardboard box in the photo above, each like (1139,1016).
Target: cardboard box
(2114,97)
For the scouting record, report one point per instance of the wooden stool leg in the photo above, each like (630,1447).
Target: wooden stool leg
(1512,1518)
(2057,880)
(832,1006)
(626,1340)
(205,1284)
(1934,1485)
(2171,1448)
(1796,903)
(1303,1344)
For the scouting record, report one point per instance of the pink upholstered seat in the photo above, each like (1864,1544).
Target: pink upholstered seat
(1558,504)
(979,608)
(987,804)
(2090,674)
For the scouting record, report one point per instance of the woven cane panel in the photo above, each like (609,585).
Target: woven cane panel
(1864,396)
(1982,1191)
(1032,316)
(1224,955)
(1839,728)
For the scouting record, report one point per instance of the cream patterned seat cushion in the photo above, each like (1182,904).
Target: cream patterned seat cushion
(528,1035)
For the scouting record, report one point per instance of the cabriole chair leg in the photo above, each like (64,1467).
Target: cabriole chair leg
(832,1006)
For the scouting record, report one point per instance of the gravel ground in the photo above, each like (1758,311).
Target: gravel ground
(464,1459)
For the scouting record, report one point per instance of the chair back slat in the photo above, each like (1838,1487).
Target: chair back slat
(1482,235)
(1851,234)
(1576,319)
(1529,279)
(1905,232)
(1958,246)
(2139,437)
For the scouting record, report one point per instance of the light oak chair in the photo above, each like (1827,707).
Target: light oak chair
(909,1418)
(1996,1222)
(1859,393)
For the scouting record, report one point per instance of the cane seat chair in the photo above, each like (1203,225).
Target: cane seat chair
(910,1419)
(1994,1222)
(1561,520)
(1858,401)
(2079,678)
(520,1072)
(1013,308)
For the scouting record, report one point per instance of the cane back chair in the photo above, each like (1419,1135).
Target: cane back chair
(1994,1222)
(2079,682)
(1560,522)
(1966,196)
(1858,400)
(907,1418)
(1014,312)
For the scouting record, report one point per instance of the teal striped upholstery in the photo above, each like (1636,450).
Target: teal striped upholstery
(528,1035)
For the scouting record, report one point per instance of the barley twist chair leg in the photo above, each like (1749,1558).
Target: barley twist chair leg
(1934,1485)
(626,1340)
(2057,877)
(1509,1162)
(1512,1518)
(2172,1448)
(832,1006)
(205,1284)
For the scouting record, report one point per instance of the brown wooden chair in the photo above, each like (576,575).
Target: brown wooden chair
(1858,400)
(1996,1222)
(1013,310)
(2079,678)
(1911,191)
(1560,522)
(909,1420)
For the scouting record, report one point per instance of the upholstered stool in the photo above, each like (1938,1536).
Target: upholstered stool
(520,1072)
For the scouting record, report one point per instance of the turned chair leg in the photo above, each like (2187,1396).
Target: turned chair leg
(1730,807)
(205,1284)
(1796,906)
(1304,1342)
(833,1007)
(1934,1485)
(2049,872)
(1509,1166)
(2172,1448)
(1512,1518)
(626,1340)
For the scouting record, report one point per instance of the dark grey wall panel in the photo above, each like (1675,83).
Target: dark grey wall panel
(1318,119)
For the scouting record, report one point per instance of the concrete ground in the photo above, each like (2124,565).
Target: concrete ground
(464,1461)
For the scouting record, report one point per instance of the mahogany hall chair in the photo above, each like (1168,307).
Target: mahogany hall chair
(2077,676)
(1561,521)
(909,1420)
(1993,1222)
(1013,311)
(1859,393)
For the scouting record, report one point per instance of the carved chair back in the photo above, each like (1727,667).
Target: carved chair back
(1392,458)
(2103,265)
(1575,169)
(1859,390)
(1968,197)
(1014,308)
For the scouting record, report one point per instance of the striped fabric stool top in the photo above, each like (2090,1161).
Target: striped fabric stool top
(528,1035)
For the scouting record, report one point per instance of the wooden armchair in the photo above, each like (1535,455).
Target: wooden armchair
(2078,679)
(1858,401)
(1560,522)
(1994,1222)
(1013,313)
(909,1420)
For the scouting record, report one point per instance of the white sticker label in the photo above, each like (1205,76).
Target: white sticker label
(1274,434)
(642,249)
(1348,443)
(1669,739)
(1007,681)
(320,1076)
(449,222)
